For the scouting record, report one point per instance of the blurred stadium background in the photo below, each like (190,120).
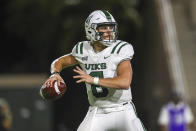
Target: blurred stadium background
(35,32)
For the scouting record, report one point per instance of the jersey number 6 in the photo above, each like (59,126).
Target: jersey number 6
(98,91)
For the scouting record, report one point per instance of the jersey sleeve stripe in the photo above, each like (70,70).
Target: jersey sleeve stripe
(81,48)
(77,48)
(115,48)
(121,47)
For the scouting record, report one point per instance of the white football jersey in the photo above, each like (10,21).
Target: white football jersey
(103,65)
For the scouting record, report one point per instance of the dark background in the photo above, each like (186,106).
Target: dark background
(35,32)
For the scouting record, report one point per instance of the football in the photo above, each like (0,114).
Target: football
(53,92)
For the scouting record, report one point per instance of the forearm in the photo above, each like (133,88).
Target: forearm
(122,80)
(56,66)
(60,63)
(116,82)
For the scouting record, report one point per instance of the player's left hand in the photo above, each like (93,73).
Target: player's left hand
(82,76)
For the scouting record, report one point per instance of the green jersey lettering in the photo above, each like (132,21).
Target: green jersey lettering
(99,66)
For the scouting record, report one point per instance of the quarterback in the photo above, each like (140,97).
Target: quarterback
(106,70)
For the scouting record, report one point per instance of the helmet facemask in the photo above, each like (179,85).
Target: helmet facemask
(99,35)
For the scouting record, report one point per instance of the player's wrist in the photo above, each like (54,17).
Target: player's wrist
(96,80)
(54,73)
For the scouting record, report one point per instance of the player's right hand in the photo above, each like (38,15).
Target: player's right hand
(52,79)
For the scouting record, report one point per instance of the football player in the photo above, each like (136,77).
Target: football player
(107,72)
(176,115)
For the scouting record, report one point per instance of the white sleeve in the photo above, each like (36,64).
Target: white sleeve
(126,51)
(188,115)
(77,51)
(163,117)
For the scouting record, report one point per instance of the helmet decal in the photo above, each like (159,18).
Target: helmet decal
(107,15)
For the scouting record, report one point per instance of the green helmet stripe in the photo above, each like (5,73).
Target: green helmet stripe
(121,47)
(115,48)
(81,48)
(107,14)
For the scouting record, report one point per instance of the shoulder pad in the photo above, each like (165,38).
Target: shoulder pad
(117,48)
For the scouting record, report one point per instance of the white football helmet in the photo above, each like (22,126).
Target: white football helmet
(96,19)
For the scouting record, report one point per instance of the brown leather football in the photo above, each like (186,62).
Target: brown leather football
(53,92)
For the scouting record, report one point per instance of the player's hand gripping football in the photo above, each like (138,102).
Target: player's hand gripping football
(52,79)
(82,76)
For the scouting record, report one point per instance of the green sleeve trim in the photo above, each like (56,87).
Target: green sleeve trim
(81,48)
(134,108)
(115,48)
(137,116)
(121,47)
(123,60)
(77,48)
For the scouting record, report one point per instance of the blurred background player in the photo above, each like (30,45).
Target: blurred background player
(107,72)
(176,115)
(5,116)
